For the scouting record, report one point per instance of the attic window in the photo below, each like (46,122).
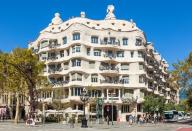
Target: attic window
(88,22)
(123,24)
(59,28)
(53,28)
(67,24)
(113,23)
(98,24)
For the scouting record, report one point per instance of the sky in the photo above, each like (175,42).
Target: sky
(166,23)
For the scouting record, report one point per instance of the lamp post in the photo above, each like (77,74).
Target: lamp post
(84,97)
(112,107)
(136,108)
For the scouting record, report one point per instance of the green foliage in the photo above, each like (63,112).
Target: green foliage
(58,105)
(20,73)
(153,103)
(169,106)
(182,106)
(182,75)
(54,118)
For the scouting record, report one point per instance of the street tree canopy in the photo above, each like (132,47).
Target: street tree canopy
(20,72)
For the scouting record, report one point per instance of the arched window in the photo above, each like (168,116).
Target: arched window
(76,36)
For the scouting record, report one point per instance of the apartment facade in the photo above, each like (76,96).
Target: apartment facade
(111,58)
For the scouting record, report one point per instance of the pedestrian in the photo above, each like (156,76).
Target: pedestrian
(141,119)
(107,120)
(130,120)
(72,121)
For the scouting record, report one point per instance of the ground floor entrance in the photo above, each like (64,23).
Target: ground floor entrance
(110,110)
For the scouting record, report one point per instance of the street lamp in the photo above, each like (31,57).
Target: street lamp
(84,97)
(136,108)
(112,107)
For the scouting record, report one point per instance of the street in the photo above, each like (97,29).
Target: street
(121,126)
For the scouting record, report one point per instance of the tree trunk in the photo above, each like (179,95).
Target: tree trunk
(17,109)
(32,100)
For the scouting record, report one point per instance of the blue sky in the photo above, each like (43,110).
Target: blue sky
(167,23)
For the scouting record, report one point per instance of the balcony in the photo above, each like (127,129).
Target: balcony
(150,88)
(54,70)
(109,81)
(35,51)
(111,56)
(52,58)
(59,83)
(108,70)
(53,44)
(110,43)
(113,98)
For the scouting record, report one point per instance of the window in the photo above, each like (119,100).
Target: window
(66,65)
(62,53)
(141,79)
(43,56)
(120,53)
(124,66)
(125,79)
(97,52)
(140,54)
(79,77)
(76,48)
(94,78)
(138,42)
(142,94)
(94,93)
(125,108)
(44,44)
(76,62)
(110,53)
(128,93)
(112,40)
(88,51)
(94,39)
(125,41)
(141,66)
(53,43)
(132,54)
(91,64)
(73,77)
(76,36)
(76,77)
(68,52)
(65,40)
(76,91)
(80,107)
(139,107)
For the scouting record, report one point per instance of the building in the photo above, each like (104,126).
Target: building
(111,58)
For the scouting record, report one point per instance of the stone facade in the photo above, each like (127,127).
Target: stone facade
(110,57)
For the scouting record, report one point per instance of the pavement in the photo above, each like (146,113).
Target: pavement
(7,126)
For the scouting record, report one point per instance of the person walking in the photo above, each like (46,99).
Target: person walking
(107,120)
(72,121)
(130,120)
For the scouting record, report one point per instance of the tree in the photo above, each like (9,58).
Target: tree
(22,70)
(169,106)
(182,75)
(153,103)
